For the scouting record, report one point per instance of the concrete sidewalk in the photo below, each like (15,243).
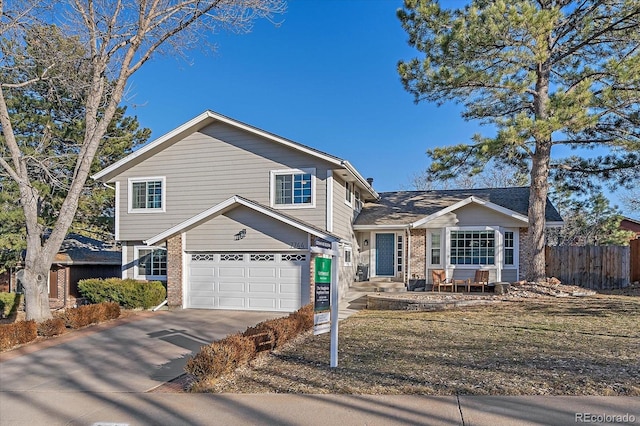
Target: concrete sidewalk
(117,408)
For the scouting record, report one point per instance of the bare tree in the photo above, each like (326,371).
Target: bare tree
(119,37)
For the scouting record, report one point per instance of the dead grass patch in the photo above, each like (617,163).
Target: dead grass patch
(574,346)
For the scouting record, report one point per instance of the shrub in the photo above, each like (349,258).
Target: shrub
(127,293)
(236,350)
(51,327)
(9,303)
(221,357)
(90,314)
(17,333)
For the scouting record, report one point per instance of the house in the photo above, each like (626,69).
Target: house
(633,225)
(79,258)
(405,235)
(226,214)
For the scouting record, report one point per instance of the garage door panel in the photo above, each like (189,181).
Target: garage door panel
(289,289)
(202,271)
(247,281)
(231,287)
(231,303)
(201,286)
(257,272)
(231,271)
(262,288)
(291,272)
(202,302)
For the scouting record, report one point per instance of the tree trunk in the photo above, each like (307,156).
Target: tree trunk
(536,264)
(36,291)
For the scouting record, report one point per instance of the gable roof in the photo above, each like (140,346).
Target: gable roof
(80,250)
(230,204)
(209,117)
(404,208)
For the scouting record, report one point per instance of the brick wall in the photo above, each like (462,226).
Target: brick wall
(174,271)
(418,253)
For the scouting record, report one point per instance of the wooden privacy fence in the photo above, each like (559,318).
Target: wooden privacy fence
(635,260)
(594,267)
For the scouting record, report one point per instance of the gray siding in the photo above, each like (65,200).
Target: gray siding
(474,215)
(262,233)
(510,275)
(207,168)
(342,212)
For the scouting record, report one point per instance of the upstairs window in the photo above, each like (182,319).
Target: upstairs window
(358,206)
(347,191)
(146,195)
(294,188)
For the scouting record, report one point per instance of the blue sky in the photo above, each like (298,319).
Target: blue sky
(325,77)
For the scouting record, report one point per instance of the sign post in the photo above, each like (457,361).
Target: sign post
(322,299)
(334,308)
(325,316)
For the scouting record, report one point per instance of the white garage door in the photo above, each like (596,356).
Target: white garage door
(247,281)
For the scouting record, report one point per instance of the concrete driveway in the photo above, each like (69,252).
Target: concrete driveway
(137,356)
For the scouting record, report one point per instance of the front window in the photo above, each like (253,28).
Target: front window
(151,263)
(292,188)
(358,200)
(399,250)
(509,245)
(473,247)
(435,248)
(146,195)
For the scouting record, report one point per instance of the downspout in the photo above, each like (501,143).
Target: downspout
(160,305)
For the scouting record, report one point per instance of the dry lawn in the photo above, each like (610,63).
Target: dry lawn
(572,346)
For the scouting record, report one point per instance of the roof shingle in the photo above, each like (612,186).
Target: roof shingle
(404,207)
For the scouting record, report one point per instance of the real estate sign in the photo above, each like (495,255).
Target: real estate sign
(322,299)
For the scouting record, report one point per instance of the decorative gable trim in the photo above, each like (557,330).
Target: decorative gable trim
(465,202)
(230,204)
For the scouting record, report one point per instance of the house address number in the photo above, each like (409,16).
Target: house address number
(298,245)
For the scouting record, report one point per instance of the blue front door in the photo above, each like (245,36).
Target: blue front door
(385,254)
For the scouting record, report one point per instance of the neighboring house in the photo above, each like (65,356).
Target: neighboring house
(79,258)
(226,213)
(404,235)
(632,225)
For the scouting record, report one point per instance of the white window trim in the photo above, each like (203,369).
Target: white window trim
(272,188)
(348,193)
(136,257)
(357,200)
(516,248)
(350,250)
(498,249)
(131,181)
(429,247)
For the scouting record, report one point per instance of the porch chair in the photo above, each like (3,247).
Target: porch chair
(439,279)
(481,280)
